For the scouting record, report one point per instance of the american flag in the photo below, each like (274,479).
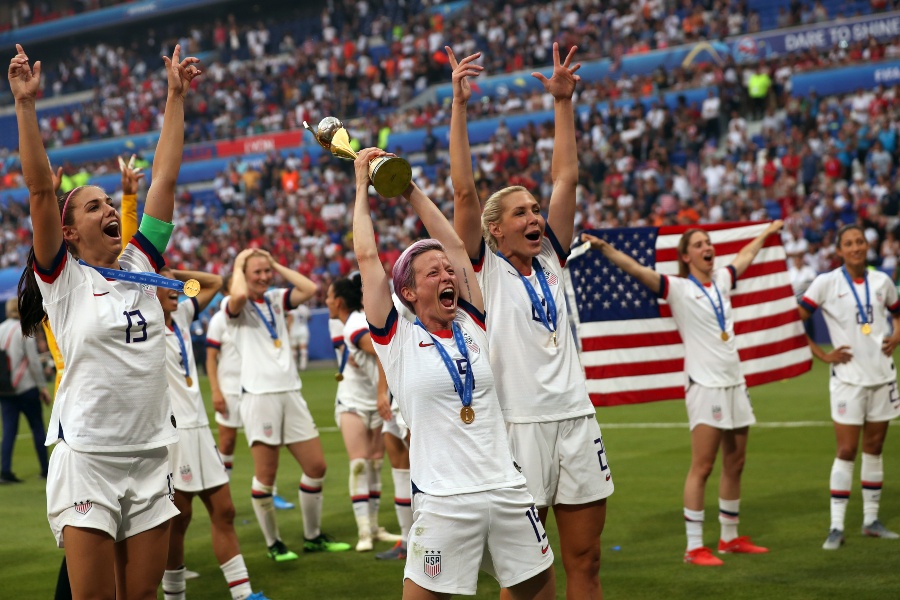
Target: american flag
(630,347)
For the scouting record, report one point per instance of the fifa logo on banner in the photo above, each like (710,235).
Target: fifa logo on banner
(432,563)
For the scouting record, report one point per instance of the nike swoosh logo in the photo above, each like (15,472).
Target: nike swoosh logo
(842,295)
(608,476)
(545,549)
(103,294)
(424,345)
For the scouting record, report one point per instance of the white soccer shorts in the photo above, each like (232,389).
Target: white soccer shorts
(277,419)
(723,408)
(233,420)
(856,404)
(196,464)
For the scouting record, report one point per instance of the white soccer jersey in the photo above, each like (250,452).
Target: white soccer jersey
(187,402)
(831,292)
(447,456)
(111,335)
(359,389)
(265,367)
(708,360)
(537,381)
(228,367)
(300,325)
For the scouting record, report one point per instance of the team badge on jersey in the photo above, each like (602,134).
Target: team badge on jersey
(551,278)
(470,343)
(149,290)
(186,475)
(267,429)
(717,412)
(82,508)
(432,563)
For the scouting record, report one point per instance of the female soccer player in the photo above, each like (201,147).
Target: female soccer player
(198,468)
(360,383)
(273,411)
(864,398)
(109,488)
(469,496)
(552,425)
(718,404)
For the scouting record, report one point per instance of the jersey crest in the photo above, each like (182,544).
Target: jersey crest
(432,563)
(83,507)
(186,475)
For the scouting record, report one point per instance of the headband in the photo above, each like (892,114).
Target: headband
(66,204)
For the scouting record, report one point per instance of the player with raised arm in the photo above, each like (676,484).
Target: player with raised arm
(864,400)
(718,404)
(469,498)
(109,488)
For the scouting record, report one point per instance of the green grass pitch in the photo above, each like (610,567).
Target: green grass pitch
(785,507)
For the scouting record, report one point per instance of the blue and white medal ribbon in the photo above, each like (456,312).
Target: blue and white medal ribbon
(467,414)
(339,376)
(863,312)
(189,288)
(273,333)
(184,356)
(719,308)
(548,317)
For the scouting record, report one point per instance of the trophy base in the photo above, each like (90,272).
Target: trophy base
(390,175)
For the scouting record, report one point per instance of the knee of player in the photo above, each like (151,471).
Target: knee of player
(224,514)
(847,453)
(315,470)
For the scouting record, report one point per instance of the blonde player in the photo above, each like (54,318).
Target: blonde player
(198,469)
(298,325)
(718,404)
(273,411)
(109,486)
(864,398)
(360,383)
(552,425)
(469,496)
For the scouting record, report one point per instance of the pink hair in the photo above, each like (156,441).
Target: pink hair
(403,275)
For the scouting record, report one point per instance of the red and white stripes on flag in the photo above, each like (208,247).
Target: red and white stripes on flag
(632,352)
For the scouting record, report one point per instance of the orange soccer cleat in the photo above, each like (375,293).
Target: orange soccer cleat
(740,545)
(702,556)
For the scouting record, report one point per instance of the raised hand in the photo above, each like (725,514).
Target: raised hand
(596,243)
(561,84)
(24,80)
(180,72)
(361,164)
(131,176)
(56,176)
(462,91)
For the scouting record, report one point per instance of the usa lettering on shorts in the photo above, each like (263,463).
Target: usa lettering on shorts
(432,563)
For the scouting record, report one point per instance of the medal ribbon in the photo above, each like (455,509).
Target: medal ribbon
(270,326)
(344,357)
(184,355)
(718,309)
(464,391)
(138,277)
(548,317)
(863,312)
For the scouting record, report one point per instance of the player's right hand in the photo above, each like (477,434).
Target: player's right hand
(839,355)
(24,80)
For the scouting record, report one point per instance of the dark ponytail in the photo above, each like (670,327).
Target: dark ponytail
(349,289)
(31,301)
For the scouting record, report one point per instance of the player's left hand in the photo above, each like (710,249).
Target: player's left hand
(888,345)
(384,405)
(561,84)
(131,176)
(45,396)
(180,73)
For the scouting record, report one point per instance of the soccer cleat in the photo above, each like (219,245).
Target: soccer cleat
(740,545)
(834,540)
(703,557)
(324,543)
(364,544)
(383,535)
(281,504)
(398,552)
(257,596)
(279,552)
(190,574)
(9,477)
(877,529)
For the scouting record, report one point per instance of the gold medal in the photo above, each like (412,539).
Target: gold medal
(277,343)
(338,376)
(467,414)
(554,338)
(866,329)
(724,336)
(188,380)
(191,288)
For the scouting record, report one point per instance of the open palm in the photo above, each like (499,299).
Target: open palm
(24,80)
(561,84)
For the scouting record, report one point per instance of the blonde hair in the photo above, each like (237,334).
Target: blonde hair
(683,269)
(493,212)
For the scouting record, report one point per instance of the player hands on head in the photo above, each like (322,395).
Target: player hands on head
(109,487)
(439,370)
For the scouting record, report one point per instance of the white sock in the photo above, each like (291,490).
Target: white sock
(871,476)
(374,474)
(403,501)
(311,506)
(235,572)
(304,358)
(359,495)
(693,524)
(264,508)
(728,517)
(173,584)
(841,483)
(228,461)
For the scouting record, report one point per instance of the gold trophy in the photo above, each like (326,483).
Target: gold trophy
(390,175)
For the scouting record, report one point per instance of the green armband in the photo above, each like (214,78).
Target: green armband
(156,231)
